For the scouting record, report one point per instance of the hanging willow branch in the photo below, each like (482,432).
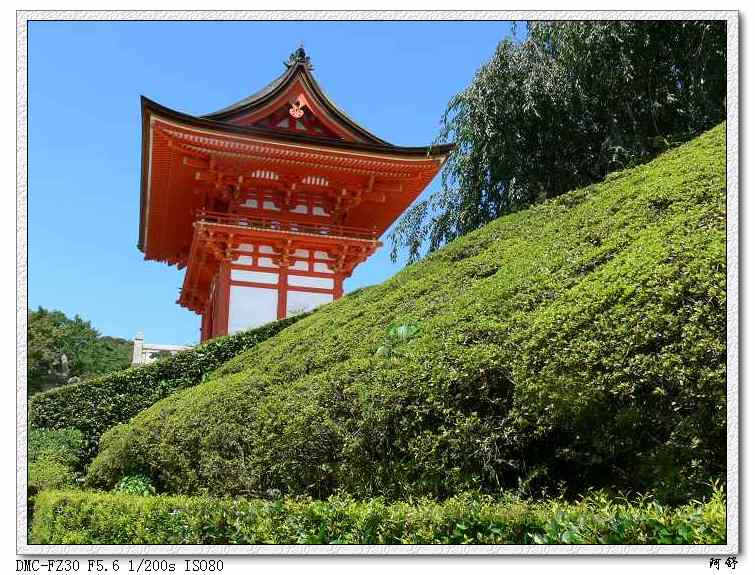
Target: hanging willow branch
(562,109)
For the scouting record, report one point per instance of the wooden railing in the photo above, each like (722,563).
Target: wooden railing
(284,224)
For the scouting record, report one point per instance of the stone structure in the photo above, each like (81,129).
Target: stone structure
(149,352)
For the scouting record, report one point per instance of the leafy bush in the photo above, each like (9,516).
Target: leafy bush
(96,405)
(579,343)
(397,336)
(53,457)
(105,519)
(135,485)
(62,445)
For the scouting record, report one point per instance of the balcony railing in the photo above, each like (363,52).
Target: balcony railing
(287,225)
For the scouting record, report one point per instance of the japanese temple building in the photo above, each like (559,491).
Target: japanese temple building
(271,202)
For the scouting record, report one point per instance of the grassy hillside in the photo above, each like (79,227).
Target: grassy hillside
(579,343)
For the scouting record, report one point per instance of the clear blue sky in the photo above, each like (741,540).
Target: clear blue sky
(85,79)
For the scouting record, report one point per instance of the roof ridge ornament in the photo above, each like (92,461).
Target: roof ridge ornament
(299,57)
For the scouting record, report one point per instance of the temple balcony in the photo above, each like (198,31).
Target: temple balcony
(284,225)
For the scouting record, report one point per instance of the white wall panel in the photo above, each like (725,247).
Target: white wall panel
(298,302)
(251,307)
(247,276)
(322,268)
(305,281)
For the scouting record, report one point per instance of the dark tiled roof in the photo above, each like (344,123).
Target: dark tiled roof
(298,65)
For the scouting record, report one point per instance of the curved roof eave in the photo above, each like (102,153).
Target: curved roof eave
(213,122)
(151,107)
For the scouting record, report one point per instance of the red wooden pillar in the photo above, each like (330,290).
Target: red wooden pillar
(337,286)
(222,300)
(282,292)
(208,319)
(203,335)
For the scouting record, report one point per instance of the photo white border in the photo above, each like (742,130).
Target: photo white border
(732,222)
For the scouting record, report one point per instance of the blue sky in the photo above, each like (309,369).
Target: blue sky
(85,79)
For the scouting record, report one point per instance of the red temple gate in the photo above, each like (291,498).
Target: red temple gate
(272,202)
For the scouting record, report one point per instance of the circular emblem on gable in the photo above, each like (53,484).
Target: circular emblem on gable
(296,111)
(297,108)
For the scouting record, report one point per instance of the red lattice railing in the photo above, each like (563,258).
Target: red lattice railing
(287,225)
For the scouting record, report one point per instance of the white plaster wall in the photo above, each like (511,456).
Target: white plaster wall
(305,281)
(244,260)
(251,307)
(322,268)
(266,263)
(297,302)
(249,276)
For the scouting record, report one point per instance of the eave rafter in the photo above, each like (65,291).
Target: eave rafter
(289,155)
(234,181)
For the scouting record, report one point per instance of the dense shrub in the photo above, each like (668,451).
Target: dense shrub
(135,485)
(63,445)
(105,519)
(579,343)
(96,405)
(54,458)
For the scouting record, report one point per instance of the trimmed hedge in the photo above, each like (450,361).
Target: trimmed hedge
(577,344)
(76,517)
(54,457)
(96,405)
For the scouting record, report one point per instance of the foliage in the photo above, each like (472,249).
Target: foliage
(53,457)
(573,102)
(60,349)
(62,445)
(579,343)
(397,335)
(96,405)
(135,485)
(96,518)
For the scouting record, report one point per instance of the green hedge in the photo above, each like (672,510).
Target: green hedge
(54,458)
(76,517)
(577,344)
(96,405)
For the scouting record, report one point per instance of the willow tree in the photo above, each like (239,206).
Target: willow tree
(562,109)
